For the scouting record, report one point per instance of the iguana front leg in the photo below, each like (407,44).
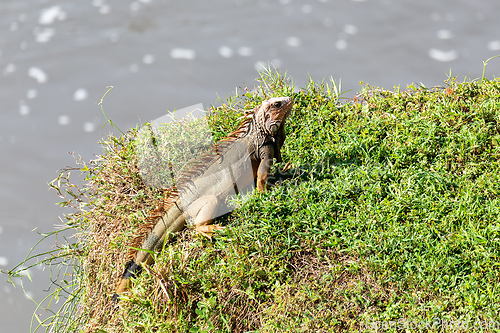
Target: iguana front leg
(266,162)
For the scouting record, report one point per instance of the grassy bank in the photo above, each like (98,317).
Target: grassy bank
(389,213)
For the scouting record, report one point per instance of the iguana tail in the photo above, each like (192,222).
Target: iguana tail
(166,220)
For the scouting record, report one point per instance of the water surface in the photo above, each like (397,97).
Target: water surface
(57,57)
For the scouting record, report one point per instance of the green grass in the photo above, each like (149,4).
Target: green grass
(389,214)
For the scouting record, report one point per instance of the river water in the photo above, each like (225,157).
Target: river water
(57,58)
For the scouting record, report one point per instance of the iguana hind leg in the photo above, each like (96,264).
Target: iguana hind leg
(204,211)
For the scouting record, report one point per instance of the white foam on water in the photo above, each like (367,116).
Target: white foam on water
(245,51)
(145,1)
(180,53)
(43,35)
(260,66)
(443,56)
(341,44)
(22,17)
(276,63)
(14,26)
(97,3)
(9,69)
(89,127)
(494,45)
(4,261)
(104,9)
(293,41)
(226,51)
(80,95)
(444,34)
(50,15)
(38,74)
(306,9)
(24,109)
(285,2)
(32,93)
(350,29)
(63,120)
(148,59)
(135,6)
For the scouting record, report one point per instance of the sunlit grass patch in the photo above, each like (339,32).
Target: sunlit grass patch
(390,211)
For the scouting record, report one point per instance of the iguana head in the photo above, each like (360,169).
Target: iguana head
(271,114)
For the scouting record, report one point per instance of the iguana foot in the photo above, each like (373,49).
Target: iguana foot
(208,230)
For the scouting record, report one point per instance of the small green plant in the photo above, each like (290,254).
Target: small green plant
(100,103)
(485,63)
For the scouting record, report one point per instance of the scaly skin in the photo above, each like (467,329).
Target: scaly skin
(260,137)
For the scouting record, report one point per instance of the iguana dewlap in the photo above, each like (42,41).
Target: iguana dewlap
(200,191)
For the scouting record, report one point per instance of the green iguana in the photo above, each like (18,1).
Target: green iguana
(203,186)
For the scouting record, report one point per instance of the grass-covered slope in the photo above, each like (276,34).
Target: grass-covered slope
(390,212)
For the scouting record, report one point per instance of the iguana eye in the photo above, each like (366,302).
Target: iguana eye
(276,104)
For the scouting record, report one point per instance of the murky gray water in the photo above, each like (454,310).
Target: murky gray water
(57,57)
